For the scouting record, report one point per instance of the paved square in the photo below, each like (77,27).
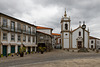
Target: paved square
(55,58)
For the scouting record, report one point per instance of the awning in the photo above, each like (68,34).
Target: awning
(5,43)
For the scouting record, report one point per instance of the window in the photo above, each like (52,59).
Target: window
(66,26)
(29,39)
(18,26)
(61,27)
(12,37)
(60,41)
(33,39)
(24,28)
(4,36)
(4,22)
(33,31)
(91,46)
(41,37)
(29,30)
(19,38)
(79,33)
(12,25)
(97,42)
(24,38)
(91,42)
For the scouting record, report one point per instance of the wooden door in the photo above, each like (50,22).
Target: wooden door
(18,49)
(4,50)
(12,49)
(79,44)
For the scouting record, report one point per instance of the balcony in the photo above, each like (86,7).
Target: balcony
(24,31)
(33,33)
(28,32)
(7,28)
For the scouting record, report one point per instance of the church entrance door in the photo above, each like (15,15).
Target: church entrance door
(79,44)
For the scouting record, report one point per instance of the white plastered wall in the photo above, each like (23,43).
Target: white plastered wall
(75,35)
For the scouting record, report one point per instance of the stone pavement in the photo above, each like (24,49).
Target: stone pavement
(55,55)
(90,62)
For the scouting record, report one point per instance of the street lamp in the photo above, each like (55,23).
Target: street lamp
(83,27)
(83,49)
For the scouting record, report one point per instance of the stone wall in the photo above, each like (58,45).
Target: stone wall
(44,38)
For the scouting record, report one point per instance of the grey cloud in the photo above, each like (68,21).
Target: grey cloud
(80,10)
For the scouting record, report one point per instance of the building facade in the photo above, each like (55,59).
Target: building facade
(46,35)
(44,40)
(14,34)
(56,40)
(73,39)
(45,30)
(94,43)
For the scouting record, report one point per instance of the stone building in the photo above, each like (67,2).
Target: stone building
(44,40)
(46,35)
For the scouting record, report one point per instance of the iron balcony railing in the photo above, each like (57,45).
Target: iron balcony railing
(5,28)
(8,28)
(33,33)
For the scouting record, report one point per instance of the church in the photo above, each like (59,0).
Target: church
(73,39)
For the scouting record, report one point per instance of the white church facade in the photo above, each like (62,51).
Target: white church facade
(73,39)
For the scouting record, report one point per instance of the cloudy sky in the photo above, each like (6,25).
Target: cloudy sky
(49,12)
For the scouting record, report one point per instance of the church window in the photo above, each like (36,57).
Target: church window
(66,26)
(91,42)
(79,33)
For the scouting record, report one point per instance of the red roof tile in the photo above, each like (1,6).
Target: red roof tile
(56,34)
(38,27)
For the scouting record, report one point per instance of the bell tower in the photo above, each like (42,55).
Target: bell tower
(65,31)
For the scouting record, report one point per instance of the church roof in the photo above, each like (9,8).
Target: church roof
(39,27)
(56,34)
(78,28)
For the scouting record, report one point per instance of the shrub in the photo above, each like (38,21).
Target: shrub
(42,48)
(23,49)
(27,52)
(9,54)
(1,55)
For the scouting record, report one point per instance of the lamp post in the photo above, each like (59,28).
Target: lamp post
(83,49)
(83,27)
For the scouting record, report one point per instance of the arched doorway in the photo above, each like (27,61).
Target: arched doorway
(79,42)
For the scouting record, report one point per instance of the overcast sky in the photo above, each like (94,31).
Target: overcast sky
(49,12)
